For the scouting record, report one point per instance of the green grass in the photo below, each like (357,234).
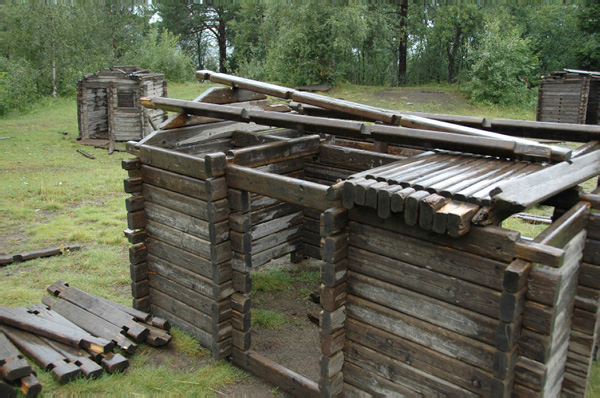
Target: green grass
(271,280)
(268,319)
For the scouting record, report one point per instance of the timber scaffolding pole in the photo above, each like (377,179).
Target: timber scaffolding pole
(319,105)
(484,144)
(390,117)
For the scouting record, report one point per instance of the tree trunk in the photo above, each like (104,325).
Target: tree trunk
(452,53)
(222,40)
(402,42)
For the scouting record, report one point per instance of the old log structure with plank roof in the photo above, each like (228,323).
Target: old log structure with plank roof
(423,291)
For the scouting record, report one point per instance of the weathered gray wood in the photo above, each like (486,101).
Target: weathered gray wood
(356,159)
(219,349)
(100,308)
(544,282)
(334,297)
(279,187)
(12,364)
(334,248)
(239,200)
(524,192)
(212,165)
(374,384)
(189,279)
(21,319)
(217,273)
(477,269)
(274,373)
(433,284)
(209,211)
(208,190)
(374,362)
(275,151)
(332,274)
(91,323)
(218,331)
(492,242)
(242,282)
(454,318)
(218,310)
(332,343)
(515,275)
(216,253)
(247,261)
(45,356)
(443,341)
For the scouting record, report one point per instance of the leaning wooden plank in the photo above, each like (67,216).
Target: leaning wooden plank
(12,364)
(372,113)
(99,308)
(21,319)
(280,187)
(91,323)
(45,356)
(275,151)
(531,189)
(284,378)
(212,165)
(567,226)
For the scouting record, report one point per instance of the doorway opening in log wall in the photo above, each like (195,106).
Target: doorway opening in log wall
(288,240)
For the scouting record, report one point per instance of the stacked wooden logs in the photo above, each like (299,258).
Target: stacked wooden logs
(71,337)
(15,371)
(334,250)
(585,325)
(181,257)
(443,315)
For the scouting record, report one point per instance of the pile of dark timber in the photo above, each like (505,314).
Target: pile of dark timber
(71,337)
(423,292)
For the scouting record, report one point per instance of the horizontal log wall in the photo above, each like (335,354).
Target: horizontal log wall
(584,336)
(436,311)
(333,164)
(181,267)
(563,100)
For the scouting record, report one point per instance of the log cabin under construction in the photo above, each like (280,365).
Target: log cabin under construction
(423,291)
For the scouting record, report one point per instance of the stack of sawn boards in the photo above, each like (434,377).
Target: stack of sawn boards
(71,337)
(439,191)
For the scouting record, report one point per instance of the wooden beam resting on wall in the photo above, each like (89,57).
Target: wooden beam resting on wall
(284,188)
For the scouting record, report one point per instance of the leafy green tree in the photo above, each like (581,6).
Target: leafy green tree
(195,22)
(501,65)
(160,53)
(587,50)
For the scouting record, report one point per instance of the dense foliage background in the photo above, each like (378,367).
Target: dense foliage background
(497,54)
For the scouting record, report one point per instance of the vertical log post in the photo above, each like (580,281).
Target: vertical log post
(136,234)
(334,249)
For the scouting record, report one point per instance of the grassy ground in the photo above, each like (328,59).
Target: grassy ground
(50,196)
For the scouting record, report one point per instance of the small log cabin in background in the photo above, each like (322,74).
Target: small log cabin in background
(423,291)
(569,96)
(108,106)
